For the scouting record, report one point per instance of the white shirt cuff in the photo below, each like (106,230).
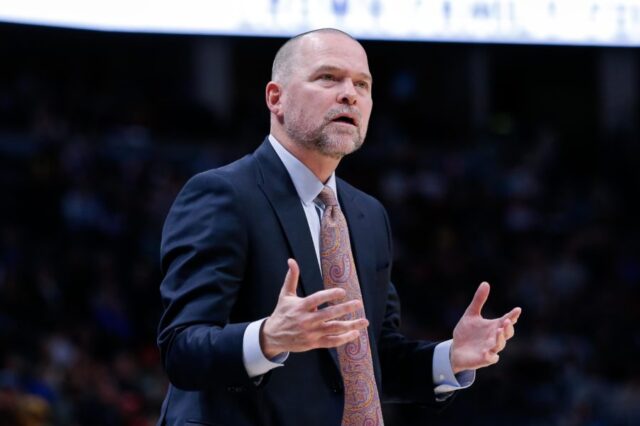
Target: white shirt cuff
(254,360)
(444,380)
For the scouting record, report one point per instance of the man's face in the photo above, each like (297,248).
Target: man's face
(326,98)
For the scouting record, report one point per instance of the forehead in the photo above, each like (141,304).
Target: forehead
(334,50)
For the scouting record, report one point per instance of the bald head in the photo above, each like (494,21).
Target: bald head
(320,97)
(286,57)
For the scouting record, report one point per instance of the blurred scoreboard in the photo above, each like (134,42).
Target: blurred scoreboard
(584,22)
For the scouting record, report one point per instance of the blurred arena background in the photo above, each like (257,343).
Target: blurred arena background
(510,160)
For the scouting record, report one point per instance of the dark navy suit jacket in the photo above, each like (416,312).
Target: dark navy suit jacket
(225,246)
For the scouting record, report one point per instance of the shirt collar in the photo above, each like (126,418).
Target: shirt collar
(307,185)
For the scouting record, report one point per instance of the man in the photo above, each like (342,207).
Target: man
(279,308)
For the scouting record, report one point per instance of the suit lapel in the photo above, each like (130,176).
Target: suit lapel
(279,190)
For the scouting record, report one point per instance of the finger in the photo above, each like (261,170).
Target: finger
(290,286)
(479,299)
(491,357)
(341,327)
(513,315)
(509,330)
(501,341)
(333,341)
(324,296)
(339,310)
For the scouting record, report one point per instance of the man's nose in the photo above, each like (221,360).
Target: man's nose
(348,94)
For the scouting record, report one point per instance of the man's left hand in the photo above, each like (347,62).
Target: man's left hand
(477,340)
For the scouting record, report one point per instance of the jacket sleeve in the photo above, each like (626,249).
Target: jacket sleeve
(203,253)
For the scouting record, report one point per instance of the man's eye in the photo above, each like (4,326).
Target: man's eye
(362,84)
(327,77)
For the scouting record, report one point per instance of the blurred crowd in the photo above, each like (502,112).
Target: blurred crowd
(549,220)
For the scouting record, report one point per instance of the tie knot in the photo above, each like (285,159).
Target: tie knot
(328,197)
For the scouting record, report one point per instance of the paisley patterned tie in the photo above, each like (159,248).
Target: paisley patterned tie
(362,404)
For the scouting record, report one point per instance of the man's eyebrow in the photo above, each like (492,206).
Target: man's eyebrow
(333,68)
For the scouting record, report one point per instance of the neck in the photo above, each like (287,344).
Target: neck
(322,166)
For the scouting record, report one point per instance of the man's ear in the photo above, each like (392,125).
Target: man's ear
(273,96)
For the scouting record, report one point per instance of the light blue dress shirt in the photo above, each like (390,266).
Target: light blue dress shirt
(308,187)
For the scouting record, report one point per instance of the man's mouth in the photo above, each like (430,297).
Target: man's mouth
(345,119)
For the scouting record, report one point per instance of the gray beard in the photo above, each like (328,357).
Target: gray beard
(318,140)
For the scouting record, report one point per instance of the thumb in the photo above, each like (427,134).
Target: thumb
(290,285)
(479,299)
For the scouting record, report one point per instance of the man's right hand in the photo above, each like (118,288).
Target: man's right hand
(297,325)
